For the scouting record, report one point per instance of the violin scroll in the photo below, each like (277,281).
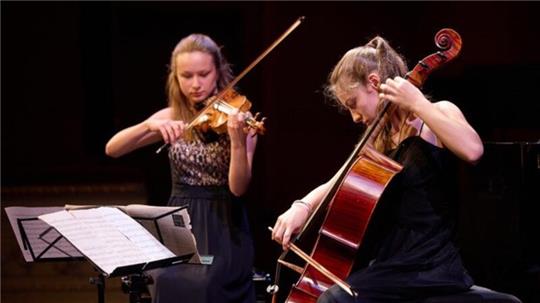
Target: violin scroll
(449,41)
(256,123)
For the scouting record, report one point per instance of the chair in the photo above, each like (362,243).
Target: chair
(476,294)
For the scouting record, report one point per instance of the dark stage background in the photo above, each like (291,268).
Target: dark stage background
(74,73)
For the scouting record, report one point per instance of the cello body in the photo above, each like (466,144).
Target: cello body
(345,224)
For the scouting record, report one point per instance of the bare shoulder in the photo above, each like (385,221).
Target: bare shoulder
(445,105)
(448,108)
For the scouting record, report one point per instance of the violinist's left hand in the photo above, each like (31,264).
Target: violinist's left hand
(401,92)
(237,128)
(242,149)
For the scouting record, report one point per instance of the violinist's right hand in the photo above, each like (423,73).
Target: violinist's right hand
(289,223)
(170,130)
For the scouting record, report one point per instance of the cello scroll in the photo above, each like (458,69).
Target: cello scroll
(449,41)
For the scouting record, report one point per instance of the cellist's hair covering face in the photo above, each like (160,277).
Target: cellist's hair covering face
(376,56)
(192,43)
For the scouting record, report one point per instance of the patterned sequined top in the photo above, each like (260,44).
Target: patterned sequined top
(199,163)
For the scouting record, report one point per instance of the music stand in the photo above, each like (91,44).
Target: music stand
(37,240)
(172,227)
(169,225)
(55,238)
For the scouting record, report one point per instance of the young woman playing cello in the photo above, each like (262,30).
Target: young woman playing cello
(410,251)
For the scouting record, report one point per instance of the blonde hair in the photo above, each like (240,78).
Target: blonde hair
(353,69)
(192,43)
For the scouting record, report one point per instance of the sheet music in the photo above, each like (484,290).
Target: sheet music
(138,235)
(175,228)
(33,228)
(108,237)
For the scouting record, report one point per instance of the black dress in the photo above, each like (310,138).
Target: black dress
(219,224)
(409,242)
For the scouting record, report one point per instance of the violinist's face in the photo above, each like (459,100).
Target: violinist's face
(197,75)
(361,101)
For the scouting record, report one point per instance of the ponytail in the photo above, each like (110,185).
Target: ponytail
(390,64)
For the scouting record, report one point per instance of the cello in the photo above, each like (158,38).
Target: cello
(354,193)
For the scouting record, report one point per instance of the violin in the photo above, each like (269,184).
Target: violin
(215,115)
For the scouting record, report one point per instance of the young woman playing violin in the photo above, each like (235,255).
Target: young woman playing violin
(409,249)
(209,173)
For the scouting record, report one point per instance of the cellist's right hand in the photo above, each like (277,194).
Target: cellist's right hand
(170,130)
(289,223)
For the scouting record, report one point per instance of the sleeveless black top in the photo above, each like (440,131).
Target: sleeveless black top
(409,253)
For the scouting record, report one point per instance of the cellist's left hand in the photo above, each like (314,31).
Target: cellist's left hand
(401,92)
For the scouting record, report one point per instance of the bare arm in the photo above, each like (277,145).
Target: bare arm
(314,197)
(291,221)
(157,127)
(242,151)
(444,119)
(452,129)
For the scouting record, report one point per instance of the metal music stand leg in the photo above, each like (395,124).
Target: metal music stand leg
(136,285)
(99,281)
